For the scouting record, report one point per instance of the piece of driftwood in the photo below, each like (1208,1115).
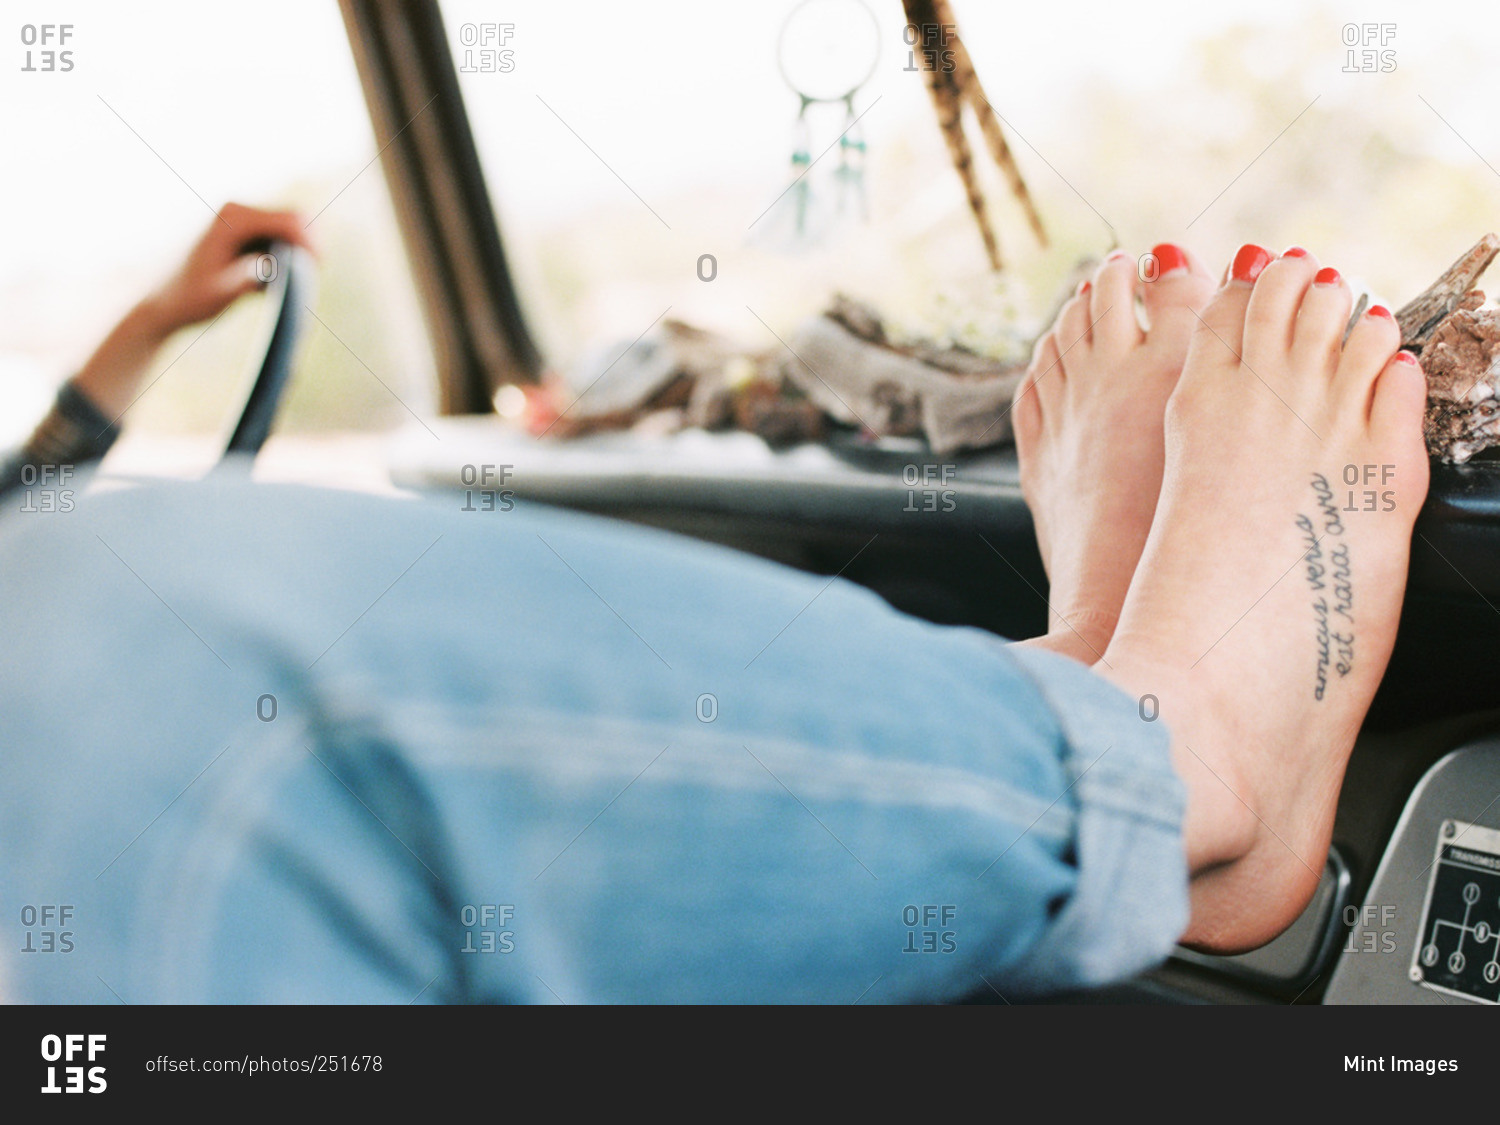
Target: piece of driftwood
(1458,342)
(839,367)
(1462,360)
(1420,317)
(956,398)
(679,375)
(612,391)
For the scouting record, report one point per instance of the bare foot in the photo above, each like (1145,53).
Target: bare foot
(1088,420)
(1265,606)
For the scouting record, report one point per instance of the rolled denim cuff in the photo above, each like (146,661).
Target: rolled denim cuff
(1130,902)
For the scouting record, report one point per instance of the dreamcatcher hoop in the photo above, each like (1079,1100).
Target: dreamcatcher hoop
(809,21)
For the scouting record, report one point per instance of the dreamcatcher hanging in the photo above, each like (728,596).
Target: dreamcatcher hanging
(827,51)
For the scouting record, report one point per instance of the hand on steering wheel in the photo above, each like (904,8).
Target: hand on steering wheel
(219,268)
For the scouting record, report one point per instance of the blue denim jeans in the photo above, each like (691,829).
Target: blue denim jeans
(272,743)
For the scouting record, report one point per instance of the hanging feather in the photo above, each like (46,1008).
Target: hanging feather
(989,121)
(952,82)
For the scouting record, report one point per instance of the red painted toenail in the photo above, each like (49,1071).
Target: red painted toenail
(1249,262)
(1327,276)
(1169,258)
(1294,252)
(1379,310)
(1407,357)
(1116,255)
(1083,287)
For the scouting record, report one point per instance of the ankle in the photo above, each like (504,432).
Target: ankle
(1220,825)
(1066,644)
(1083,633)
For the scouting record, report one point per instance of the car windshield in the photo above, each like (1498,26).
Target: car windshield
(623,143)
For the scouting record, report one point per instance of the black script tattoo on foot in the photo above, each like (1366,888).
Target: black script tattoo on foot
(1330,576)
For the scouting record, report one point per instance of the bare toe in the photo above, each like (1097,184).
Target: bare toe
(1073,328)
(1223,324)
(1026,414)
(1319,331)
(1178,291)
(1370,346)
(1112,307)
(1399,400)
(1272,312)
(1046,375)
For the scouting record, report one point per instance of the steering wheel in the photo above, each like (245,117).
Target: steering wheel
(287,271)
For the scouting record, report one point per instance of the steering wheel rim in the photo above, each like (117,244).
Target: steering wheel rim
(288,290)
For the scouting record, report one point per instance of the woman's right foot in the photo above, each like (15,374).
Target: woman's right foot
(1264,610)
